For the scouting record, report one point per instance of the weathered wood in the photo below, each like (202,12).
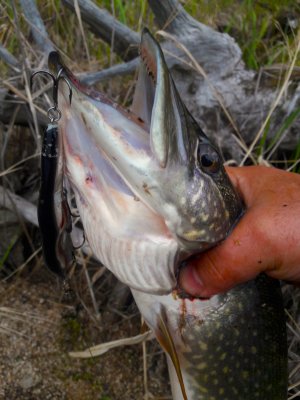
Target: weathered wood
(218,53)
(37,27)
(125,41)
(224,84)
(90,78)
(25,209)
(9,59)
(15,203)
(170,15)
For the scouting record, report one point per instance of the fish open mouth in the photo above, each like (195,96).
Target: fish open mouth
(113,158)
(135,174)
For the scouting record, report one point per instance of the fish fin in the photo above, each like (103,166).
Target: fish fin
(144,327)
(143,96)
(169,127)
(164,337)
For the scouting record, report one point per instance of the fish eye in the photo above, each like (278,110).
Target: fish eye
(208,159)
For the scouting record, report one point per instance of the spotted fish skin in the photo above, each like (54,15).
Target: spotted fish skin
(231,347)
(151,191)
(239,350)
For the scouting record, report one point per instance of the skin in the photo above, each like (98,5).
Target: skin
(266,239)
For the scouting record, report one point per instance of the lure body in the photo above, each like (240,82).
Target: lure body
(151,191)
(53,211)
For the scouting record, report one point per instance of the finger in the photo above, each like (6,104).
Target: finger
(242,256)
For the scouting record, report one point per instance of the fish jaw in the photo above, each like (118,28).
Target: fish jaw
(197,199)
(124,233)
(186,201)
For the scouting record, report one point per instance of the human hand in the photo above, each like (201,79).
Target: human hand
(266,239)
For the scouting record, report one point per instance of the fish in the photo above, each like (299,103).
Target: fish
(152,191)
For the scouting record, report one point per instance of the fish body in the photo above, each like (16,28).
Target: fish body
(231,347)
(151,191)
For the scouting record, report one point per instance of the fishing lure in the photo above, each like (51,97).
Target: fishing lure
(55,222)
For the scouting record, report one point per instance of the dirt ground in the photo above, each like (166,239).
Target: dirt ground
(37,330)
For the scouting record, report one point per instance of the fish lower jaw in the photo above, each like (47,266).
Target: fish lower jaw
(146,265)
(193,245)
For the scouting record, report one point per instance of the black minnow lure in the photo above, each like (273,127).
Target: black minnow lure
(46,206)
(55,225)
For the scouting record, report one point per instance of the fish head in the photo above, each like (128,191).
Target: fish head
(150,186)
(196,198)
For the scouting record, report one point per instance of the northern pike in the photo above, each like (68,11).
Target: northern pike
(152,191)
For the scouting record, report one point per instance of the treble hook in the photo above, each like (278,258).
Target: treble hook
(54,113)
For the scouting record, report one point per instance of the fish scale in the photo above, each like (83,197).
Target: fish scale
(231,347)
(152,191)
(246,337)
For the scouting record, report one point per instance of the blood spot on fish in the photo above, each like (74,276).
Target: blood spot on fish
(89,179)
(83,119)
(259,261)
(149,62)
(146,188)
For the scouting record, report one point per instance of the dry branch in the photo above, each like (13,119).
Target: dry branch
(15,203)
(25,209)
(217,52)
(170,15)
(90,78)
(37,26)
(240,92)
(102,348)
(9,59)
(125,41)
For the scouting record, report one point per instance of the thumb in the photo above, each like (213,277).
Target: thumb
(239,258)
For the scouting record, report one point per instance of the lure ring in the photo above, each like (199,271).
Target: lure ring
(54,114)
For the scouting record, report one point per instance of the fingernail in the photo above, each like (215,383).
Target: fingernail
(190,282)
